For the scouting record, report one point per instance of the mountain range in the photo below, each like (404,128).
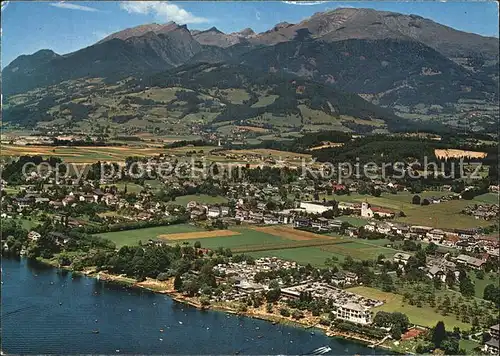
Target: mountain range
(397,61)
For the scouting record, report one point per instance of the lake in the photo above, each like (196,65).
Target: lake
(48,311)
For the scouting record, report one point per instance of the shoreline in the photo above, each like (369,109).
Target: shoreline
(166,288)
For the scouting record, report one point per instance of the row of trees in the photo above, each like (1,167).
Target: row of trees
(397,322)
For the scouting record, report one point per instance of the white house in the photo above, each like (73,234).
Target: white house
(369,212)
(33,236)
(354,313)
(213,212)
(314,208)
(270,220)
(401,258)
(435,235)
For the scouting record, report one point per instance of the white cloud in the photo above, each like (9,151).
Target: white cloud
(163,10)
(69,6)
(305,3)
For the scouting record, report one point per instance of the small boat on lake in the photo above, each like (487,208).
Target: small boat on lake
(321,350)
(95,331)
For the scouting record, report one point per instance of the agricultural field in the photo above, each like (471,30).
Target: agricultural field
(319,117)
(131,187)
(132,237)
(353,220)
(161,95)
(245,239)
(190,148)
(234,95)
(281,123)
(443,215)
(359,250)
(424,316)
(293,234)
(453,153)
(264,152)
(199,198)
(259,242)
(197,235)
(265,101)
(302,255)
(87,154)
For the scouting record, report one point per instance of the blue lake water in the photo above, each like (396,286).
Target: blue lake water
(47,311)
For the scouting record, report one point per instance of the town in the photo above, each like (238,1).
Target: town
(249,230)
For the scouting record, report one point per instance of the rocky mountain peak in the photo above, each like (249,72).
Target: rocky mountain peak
(247,32)
(141,30)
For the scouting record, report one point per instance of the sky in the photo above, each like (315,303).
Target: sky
(64,27)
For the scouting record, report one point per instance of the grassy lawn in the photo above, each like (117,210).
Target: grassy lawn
(402,346)
(131,187)
(480,284)
(302,255)
(443,215)
(28,224)
(11,190)
(354,221)
(265,101)
(489,198)
(154,184)
(200,198)
(360,250)
(132,237)
(468,346)
(424,316)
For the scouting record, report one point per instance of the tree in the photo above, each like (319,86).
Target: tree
(197,244)
(467,287)
(178,283)
(438,334)
(421,258)
(191,287)
(492,293)
(431,249)
(475,323)
(480,274)
(382,319)
(162,277)
(285,312)
(401,320)
(273,295)
(423,348)
(204,301)
(485,337)
(274,292)
(416,200)
(450,346)
(297,314)
(396,332)
(425,202)
(450,278)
